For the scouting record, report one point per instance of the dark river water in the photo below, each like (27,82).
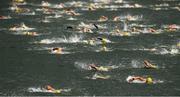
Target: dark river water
(27,63)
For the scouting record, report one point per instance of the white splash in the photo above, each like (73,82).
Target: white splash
(172,51)
(42,90)
(135,64)
(81,65)
(72,39)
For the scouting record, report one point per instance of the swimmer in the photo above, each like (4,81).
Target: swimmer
(71,12)
(172,27)
(51,89)
(93,67)
(5,17)
(103,40)
(104,48)
(116,18)
(21,10)
(151,30)
(134,29)
(61,5)
(151,49)
(45,4)
(98,68)
(47,10)
(22,26)
(130,18)
(85,30)
(125,33)
(148,65)
(120,33)
(116,32)
(18,1)
(56,50)
(18,10)
(103,18)
(92,7)
(138,79)
(30,33)
(100,76)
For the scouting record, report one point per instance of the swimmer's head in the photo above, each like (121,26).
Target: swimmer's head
(92,65)
(56,49)
(149,80)
(48,87)
(145,61)
(100,38)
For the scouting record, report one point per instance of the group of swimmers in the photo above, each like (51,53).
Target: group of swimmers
(126,31)
(87,28)
(147,65)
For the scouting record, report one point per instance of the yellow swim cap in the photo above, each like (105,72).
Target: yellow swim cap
(178,44)
(149,80)
(126,34)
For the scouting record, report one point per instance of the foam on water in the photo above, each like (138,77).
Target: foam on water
(28,13)
(82,65)
(21,29)
(71,39)
(42,90)
(55,16)
(49,50)
(26,33)
(38,89)
(164,51)
(71,18)
(136,64)
(101,49)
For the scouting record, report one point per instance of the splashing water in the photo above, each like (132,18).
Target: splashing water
(135,64)
(39,89)
(125,27)
(81,65)
(158,81)
(72,39)
(172,51)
